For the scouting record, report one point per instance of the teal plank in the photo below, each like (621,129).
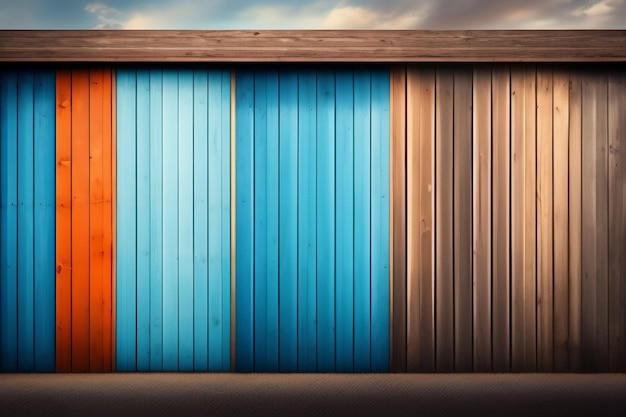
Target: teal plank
(225,177)
(245,221)
(307,258)
(185,220)
(126,210)
(44,238)
(380,221)
(288,215)
(8,221)
(170,220)
(215,221)
(326,221)
(156,220)
(345,221)
(362,255)
(200,226)
(25,217)
(143,220)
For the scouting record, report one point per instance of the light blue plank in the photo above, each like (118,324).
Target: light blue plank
(380,221)
(260,222)
(362,147)
(8,221)
(307,259)
(156,220)
(245,221)
(288,214)
(126,212)
(272,221)
(345,221)
(143,220)
(25,213)
(44,239)
(170,220)
(215,220)
(225,177)
(200,225)
(326,221)
(185,220)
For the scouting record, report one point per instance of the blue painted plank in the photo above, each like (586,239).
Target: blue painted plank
(245,221)
(307,258)
(380,221)
(170,220)
(345,221)
(362,147)
(288,214)
(25,221)
(185,220)
(326,221)
(143,220)
(200,226)
(215,221)
(8,221)
(260,222)
(225,177)
(44,239)
(156,220)
(126,221)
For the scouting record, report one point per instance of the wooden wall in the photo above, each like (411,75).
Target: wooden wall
(27,220)
(312,285)
(84,195)
(508,218)
(173,220)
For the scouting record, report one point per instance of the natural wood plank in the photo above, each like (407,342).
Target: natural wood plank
(444,182)
(463,350)
(545,352)
(312,45)
(617,222)
(397,214)
(575,220)
(561,219)
(501,232)
(482,187)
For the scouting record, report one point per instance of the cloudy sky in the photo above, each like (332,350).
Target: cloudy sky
(313,14)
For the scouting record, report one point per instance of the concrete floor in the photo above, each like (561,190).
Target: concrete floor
(163,394)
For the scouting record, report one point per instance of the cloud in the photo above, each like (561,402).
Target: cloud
(108,17)
(351,17)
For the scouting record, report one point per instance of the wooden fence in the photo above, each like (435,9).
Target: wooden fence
(508,218)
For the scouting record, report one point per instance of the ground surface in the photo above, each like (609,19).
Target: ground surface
(180,394)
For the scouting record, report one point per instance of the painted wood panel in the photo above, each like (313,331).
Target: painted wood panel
(312,177)
(84,220)
(27,220)
(173,220)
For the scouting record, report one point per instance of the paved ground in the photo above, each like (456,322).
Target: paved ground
(180,394)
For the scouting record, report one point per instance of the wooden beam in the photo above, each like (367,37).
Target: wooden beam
(312,46)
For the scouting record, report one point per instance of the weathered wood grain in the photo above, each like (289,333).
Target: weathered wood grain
(312,45)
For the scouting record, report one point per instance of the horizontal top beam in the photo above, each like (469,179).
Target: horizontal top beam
(312,46)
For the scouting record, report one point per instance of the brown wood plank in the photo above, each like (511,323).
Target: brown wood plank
(398,218)
(312,45)
(561,219)
(594,224)
(575,220)
(501,232)
(463,345)
(545,242)
(617,223)
(523,220)
(482,187)
(444,181)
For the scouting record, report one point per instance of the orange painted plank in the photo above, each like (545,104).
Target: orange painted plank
(63,222)
(96,229)
(80,221)
(107,220)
